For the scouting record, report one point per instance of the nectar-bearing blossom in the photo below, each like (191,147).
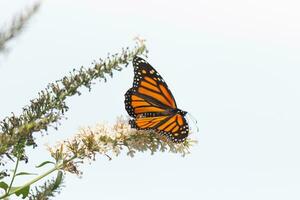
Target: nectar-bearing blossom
(110,141)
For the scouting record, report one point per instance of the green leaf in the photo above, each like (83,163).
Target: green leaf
(24,173)
(3,185)
(24,192)
(58,180)
(44,163)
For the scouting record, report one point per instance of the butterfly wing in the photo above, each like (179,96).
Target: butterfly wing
(145,123)
(151,103)
(137,105)
(149,84)
(173,127)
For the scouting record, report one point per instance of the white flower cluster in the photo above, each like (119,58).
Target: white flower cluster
(111,140)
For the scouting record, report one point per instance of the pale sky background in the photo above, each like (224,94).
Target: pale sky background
(234,65)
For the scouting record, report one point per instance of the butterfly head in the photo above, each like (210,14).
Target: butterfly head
(181,112)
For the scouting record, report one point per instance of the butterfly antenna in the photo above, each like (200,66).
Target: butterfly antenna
(194,121)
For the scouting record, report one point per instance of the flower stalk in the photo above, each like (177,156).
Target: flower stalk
(49,107)
(105,140)
(16,26)
(110,141)
(57,167)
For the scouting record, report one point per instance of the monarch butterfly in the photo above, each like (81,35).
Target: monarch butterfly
(152,105)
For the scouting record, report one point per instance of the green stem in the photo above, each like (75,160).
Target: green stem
(14,174)
(56,167)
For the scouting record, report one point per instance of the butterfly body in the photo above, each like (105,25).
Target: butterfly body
(152,105)
(181,112)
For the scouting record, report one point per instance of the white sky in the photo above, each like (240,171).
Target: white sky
(234,65)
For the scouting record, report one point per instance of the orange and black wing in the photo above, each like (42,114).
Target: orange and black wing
(173,127)
(137,105)
(152,105)
(150,94)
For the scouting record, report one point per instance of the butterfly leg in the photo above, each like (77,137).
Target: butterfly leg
(132,123)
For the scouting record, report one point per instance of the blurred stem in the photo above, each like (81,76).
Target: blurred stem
(55,168)
(17,25)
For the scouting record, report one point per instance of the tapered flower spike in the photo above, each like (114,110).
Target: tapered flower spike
(50,106)
(110,141)
(16,26)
